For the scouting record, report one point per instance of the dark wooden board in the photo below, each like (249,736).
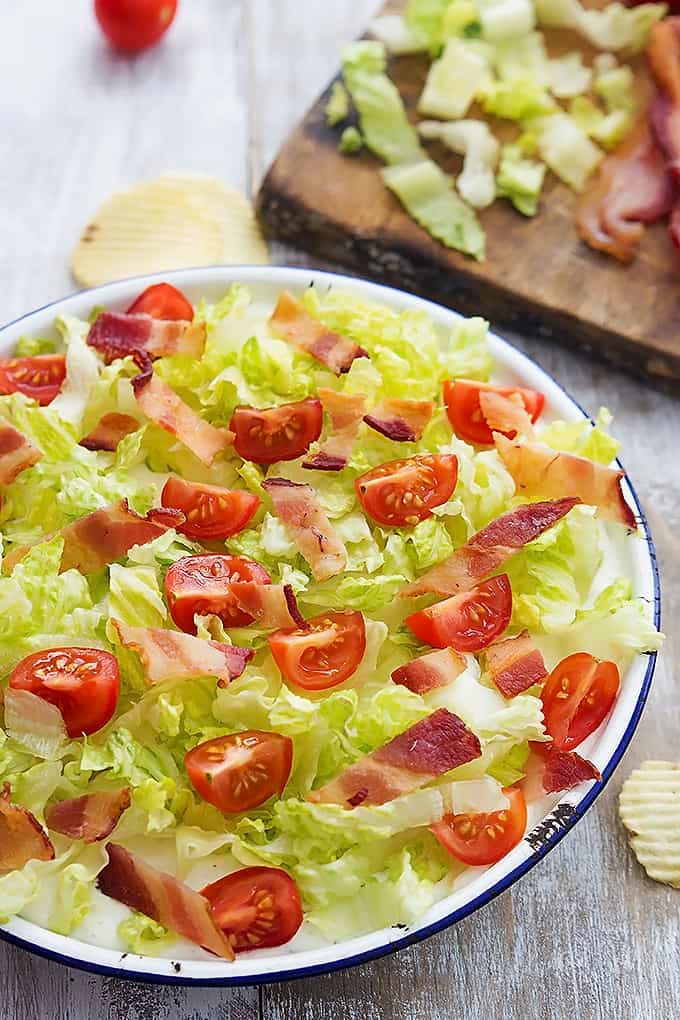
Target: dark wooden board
(537,277)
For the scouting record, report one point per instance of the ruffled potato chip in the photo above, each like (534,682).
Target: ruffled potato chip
(649,806)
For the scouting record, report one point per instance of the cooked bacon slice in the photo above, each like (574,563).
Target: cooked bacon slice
(270,605)
(16,453)
(108,432)
(436,669)
(540,472)
(91,817)
(290,321)
(130,880)
(22,837)
(663,54)
(550,770)
(491,547)
(505,414)
(346,411)
(401,420)
(306,522)
(424,751)
(515,664)
(172,655)
(164,407)
(117,334)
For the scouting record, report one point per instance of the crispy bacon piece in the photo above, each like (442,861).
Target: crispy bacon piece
(663,55)
(401,420)
(550,770)
(491,547)
(117,334)
(22,837)
(505,414)
(108,432)
(130,880)
(424,751)
(164,407)
(270,605)
(16,453)
(290,321)
(173,655)
(346,411)
(91,817)
(436,669)
(306,522)
(540,472)
(515,664)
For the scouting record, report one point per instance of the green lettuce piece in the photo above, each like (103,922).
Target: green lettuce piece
(32,785)
(454,81)
(616,87)
(522,58)
(74,886)
(505,20)
(566,149)
(510,769)
(569,76)
(520,179)
(82,371)
(30,346)
(135,596)
(144,936)
(614,27)
(518,98)
(584,438)
(350,141)
(396,36)
(474,140)
(19,889)
(337,107)
(607,129)
(425,19)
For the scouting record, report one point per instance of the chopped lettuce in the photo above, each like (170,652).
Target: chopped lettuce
(519,98)
(474,140)
(454,81)
(566,149)
(525,57)
(584,438)
(350,140)
(520,179)
(505,20)
(616,87)
(337,107)
(614,27)
(569,76)
(397,36)
(607,129)
(425,20)
(142,935)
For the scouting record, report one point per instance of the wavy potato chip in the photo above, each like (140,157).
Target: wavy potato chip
(649,807)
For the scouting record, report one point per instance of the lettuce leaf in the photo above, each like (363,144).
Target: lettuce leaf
(454,81)
(520,179)
(472,139)
(142,935)
(584,438)
(614,27)
(337,107)
(566,149)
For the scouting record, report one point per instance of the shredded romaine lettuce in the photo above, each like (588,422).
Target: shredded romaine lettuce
(474,140)
(520,179)
(614,27)
(454,81)
(337,107)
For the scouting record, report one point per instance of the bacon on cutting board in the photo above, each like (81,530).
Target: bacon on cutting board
(109,431)
(400,420)
(346,411)
(16,453)
(173,655)
(298,508)
(515,664)
(428,672)
(22,837)
(117,334)
(290,321)
(91,817)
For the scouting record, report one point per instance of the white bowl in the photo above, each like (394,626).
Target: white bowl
(605,750)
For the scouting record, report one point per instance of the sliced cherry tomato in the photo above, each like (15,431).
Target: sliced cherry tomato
(466,622)
(276,433)
(83,683)
(577,696)
(326,653)
(210,511)
(255,907)
(465,413)
(240,771)
(40,377)
(403,492)
(134,25)
(481,839)
(200,584)
(162,301)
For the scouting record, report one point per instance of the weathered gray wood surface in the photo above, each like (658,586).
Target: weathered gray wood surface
(585,934)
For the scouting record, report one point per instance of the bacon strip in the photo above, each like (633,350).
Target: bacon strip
(172,655)
(130,880)
(291,322)
(491,547)
(424,751)
(515,664)
(16,453)
(164,407)
(663,55)
(22,837)
(346,411)
(505,414)
(436,669)
(270,605)
(401,420)
(540,472)
(306,522)
(91,817)
(117,334)
(550,770)
(108,432)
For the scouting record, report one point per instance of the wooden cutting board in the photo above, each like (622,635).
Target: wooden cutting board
(537,277)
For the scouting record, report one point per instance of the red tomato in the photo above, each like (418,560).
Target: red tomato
(162,301)
(83,683)
(276,433)
(240,771)
(326,653)
(134,25)
(210,511)
(576,698)
(255,907)
(465,413)
(403,492)
(480,839)
(40,377)
(466,622)
(200,584)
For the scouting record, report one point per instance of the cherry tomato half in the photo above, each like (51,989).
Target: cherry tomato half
(276,433)
(465,413)
(210,511)
(83,683)
(255,907)
(403,492)
(326,653)
(162,301)
(466,622)
(200,584)
(134,25)
(577,696)
(480,839)
(240,771)
(40,377)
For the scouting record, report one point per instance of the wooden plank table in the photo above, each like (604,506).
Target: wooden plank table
(583,935)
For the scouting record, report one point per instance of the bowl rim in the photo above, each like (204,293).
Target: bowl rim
(556,824)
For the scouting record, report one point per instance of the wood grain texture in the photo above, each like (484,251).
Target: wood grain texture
(583,935)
